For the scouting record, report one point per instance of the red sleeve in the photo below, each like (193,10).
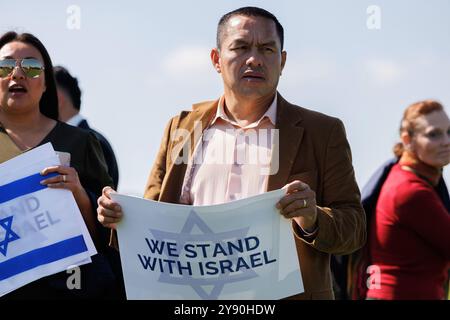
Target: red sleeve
(420,209)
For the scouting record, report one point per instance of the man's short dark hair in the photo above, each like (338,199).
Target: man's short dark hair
(68,83)
(248,12)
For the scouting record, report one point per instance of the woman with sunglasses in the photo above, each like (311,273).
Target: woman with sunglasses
(409,238)
(29,118)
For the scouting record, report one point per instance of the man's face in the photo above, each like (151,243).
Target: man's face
(250,58)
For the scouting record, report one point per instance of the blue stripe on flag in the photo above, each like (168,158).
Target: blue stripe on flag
(41,256)
(23,186)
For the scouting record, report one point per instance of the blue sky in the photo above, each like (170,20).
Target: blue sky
(141,62)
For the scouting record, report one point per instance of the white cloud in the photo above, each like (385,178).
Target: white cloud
(383,72)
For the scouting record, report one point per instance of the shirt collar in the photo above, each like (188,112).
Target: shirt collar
(75,120)
(270,114)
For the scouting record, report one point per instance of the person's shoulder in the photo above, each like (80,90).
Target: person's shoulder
(67,129)
(199,108)
(309,115)
(407,186)
(67,138)
(405,176)
(84,126)
(371,189)
(317,125)
(76,136)
(204,105)
(100,137)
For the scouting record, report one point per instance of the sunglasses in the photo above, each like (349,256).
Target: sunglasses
(30,66)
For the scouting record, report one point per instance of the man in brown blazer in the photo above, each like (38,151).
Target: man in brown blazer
(311,156)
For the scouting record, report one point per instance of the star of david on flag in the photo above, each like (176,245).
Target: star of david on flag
(42,231)
(10,235)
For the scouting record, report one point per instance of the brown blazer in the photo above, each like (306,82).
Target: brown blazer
(313,148)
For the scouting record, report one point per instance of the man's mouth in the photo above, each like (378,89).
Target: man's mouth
(253,76)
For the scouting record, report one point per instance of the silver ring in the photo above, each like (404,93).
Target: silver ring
(64,178)
(304,203)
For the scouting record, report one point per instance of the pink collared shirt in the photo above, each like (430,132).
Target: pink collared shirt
(230,162)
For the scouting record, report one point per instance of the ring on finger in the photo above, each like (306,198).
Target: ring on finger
(305,204)
(64,178)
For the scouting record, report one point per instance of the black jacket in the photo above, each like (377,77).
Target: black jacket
(108,152)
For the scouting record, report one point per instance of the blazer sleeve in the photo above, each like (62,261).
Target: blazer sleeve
(341,217)
(158,172)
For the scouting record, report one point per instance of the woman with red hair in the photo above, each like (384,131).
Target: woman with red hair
(409,241)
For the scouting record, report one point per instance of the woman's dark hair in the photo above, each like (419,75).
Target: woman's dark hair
(410,115)
(48,105)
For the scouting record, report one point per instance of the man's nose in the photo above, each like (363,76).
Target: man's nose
(254,58)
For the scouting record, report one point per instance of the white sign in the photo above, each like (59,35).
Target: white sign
(239,250)
(42,231)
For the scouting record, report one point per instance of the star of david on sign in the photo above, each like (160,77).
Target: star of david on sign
(10,235)
(207,234)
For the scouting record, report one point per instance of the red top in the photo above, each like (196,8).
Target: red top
(409,239)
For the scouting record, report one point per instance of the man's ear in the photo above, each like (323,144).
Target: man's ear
(283,60)
(215,59)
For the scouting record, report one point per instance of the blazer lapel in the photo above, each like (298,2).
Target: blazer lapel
(200,118)
(289,139)
(283,154)
(194,123)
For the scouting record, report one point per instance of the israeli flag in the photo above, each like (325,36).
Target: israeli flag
(42,231)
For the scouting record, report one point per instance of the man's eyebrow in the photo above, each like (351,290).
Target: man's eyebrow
(269,44)
(264,44)
(239,41)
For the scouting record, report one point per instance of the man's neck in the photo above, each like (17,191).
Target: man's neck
(246,110)
(66,112)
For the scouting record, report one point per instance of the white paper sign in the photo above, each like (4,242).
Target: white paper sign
(239,250)
(42,231)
